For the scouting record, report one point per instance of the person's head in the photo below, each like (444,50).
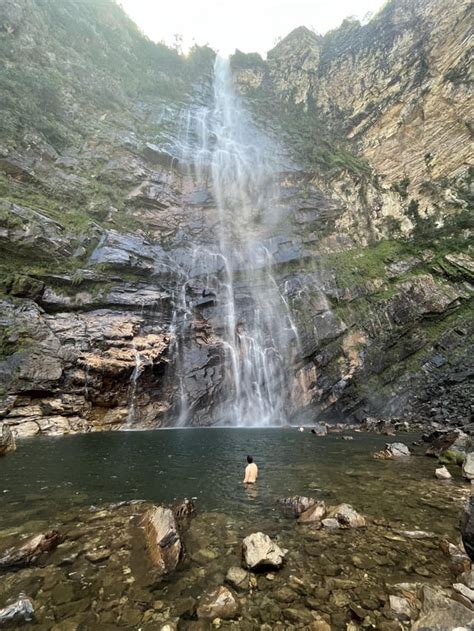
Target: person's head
(249,459)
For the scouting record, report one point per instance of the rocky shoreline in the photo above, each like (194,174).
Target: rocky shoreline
(106,568)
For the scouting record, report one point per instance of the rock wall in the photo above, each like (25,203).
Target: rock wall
(99,221)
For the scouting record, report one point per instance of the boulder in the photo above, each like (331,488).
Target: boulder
(439,613)
(7,440)
(468,466)
(392,451)
(441,441)
(347,517)
(320,429)
(467,528)
(260,552)
(314,513)
(400,607)
(398,450)
(442,473)
(29,551)
(18,613)
(163,541)
(298,503)
(238,578)
(218,603)
(330,523)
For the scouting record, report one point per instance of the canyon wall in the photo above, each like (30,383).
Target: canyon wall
(100,218)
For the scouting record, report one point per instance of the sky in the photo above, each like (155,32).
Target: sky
(249,25)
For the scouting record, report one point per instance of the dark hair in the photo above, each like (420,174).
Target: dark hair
(249,459)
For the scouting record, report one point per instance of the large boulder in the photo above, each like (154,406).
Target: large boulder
(467,527)
(7,440)
(18,613)
(439,613)
(163,540)
(218,603)
(298,503)
(260,552)
(468,466)
(29,551)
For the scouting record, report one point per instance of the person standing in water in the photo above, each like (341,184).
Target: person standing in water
(251,471)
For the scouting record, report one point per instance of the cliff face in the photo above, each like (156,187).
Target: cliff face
(100,218)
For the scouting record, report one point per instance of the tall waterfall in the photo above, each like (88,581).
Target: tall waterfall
(228,157)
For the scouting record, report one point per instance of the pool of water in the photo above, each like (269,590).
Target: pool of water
(65,482)
(50,474)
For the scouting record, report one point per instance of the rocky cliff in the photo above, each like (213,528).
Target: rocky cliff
(100,218)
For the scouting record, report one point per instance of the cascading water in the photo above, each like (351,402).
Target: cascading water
(227,156)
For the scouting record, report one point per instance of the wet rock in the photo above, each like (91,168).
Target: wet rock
(7,440)
(238,578)
(30,551)
(442,473)
(467,527)
(298,504)
(260,552)
(392,451)
(439,612)
(400,607)
(183,513)
(459,560)
(18,613)
(467,578)
(95,556)
(464,591)
(164,543)
(347,516)
(218,603)
(298,616)
(468,466)
(441,441)
(320,429)
(313,514)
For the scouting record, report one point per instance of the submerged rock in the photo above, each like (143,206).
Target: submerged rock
(163,540)
(18,613)
(260,552)
(442,473)
(298,503)
(467,527)
(218,603)
(7,440)
(30,551)
(238,578)
(400,607)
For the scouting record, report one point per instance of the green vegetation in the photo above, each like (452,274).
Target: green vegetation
(88,54)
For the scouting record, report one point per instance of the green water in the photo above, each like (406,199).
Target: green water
(70,482)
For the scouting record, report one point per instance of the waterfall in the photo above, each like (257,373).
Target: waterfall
(231,159)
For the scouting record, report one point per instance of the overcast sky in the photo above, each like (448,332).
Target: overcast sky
(249,25)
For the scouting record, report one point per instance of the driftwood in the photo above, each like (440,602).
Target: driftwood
(29,551)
